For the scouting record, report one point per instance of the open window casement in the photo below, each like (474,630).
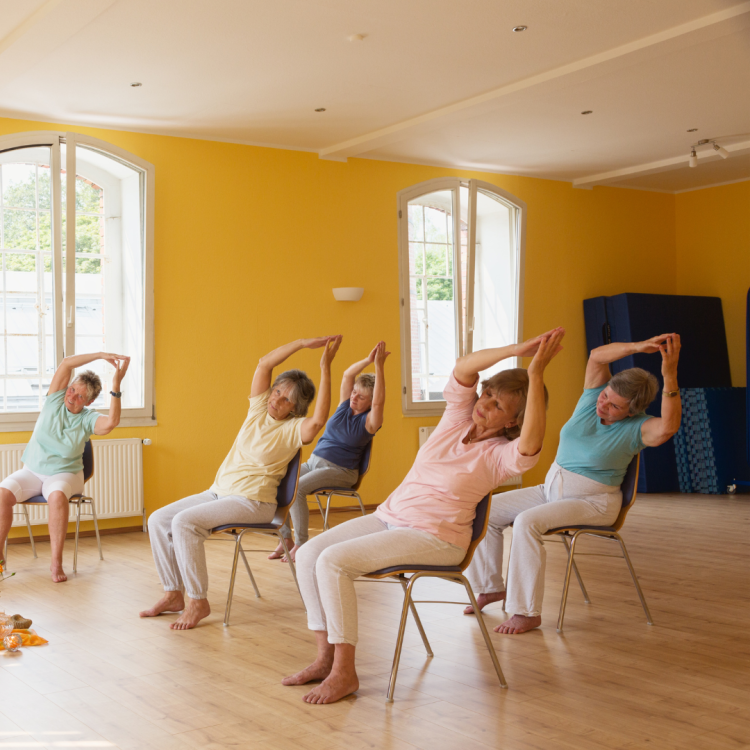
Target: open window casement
(461,264)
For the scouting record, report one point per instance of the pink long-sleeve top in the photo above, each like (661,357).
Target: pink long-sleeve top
(449,477)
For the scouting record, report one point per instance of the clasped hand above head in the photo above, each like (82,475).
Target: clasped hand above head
(542,348)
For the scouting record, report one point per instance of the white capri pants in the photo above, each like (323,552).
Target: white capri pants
(328,564)
(178,531)
(25,484)
(564,499)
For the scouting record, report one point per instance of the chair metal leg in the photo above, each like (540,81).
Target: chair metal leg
(485,633)
(228,609)
(249,572)
(96,527)
(635,578)
(5,552)
(292,566)
(328,510)
(78,525)
(400,639)
(566,585)
(361,504)
(320,507)
(402,580)
(575,570)
(28,526)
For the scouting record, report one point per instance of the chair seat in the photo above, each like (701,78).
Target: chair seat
(332,489)
(264,526)
(560,529)
(416,569)
(39,500)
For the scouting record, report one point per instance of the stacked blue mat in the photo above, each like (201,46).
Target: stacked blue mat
(710,446)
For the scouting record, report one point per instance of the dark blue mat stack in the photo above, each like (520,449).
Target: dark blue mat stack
(704,359)
(711,446)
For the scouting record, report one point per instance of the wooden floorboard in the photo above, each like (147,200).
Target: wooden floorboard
(108,679)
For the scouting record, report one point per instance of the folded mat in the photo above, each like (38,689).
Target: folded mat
(28,638)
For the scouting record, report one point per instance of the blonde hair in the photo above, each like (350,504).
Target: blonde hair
(637,386)
(91,380)
(366,381)
(302,390)
(515,383)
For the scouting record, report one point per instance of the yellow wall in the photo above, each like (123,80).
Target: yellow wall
(250,241)
(713,257)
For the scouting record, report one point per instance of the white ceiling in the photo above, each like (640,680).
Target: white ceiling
(434,81)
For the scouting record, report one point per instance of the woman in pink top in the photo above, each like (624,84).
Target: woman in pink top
(428,519)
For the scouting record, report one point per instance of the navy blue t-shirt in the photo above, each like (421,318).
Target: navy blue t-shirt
(345,437)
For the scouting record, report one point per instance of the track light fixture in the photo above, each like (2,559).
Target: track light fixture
(720,150)
(723,153)
(693,160)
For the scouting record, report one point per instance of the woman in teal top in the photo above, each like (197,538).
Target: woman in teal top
(608,427)
(53,459)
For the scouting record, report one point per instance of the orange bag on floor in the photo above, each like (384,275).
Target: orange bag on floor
(28,638)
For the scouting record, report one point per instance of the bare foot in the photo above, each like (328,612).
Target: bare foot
(278,552)
(484,599)
(194,612)
(316,672)
(292,554)
(58,574)
(335,687)
(519,624)
(172,601)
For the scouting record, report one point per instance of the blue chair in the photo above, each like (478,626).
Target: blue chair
(285,494)
(329,492)
(452,573)
(570,535)
(78,500)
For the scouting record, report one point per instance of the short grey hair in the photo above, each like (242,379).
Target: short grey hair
(92,382)
(302,390)
(366,381)
(637,386)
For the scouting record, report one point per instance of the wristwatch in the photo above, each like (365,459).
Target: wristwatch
(115,394)
(671,394)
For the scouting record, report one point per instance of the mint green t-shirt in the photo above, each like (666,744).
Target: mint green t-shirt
(601,452)
(59,437)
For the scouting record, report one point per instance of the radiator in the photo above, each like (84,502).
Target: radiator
(117,484)
(424,434)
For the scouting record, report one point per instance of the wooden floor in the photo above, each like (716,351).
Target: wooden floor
(108,679)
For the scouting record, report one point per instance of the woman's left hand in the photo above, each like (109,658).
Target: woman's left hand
(548,348)
(120,369)
(329,352)
(670,354)
(530,347)
(380,354)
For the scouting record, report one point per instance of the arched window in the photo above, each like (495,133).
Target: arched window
(461,272)
(76,273)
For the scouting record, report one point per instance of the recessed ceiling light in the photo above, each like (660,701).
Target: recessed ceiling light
(320,109)
(587,111)
(520,28)
(135,85)
(693,130)
(356,37)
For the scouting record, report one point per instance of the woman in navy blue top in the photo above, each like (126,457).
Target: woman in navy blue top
(335,460)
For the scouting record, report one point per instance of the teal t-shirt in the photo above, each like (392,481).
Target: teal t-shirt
(601,452)
(59,437)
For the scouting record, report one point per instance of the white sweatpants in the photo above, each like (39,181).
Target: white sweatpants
(178,530)
(25,484)
(565,498)
(328,564)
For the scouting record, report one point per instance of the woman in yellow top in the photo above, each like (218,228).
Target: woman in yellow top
(244,490)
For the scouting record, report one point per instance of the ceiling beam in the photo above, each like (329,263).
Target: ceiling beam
(654,167)
(384,136)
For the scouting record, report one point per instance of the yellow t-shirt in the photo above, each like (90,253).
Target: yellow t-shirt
(261,452)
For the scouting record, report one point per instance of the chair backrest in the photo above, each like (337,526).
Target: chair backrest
(88,461)
(481,521)
(364,464)
(287,489)
(629,489)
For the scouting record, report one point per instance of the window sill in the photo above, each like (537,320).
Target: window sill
(27,424)
(435,409)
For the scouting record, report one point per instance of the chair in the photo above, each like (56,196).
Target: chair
(329,492)
(448,573)
(79,500)
(570,535)
(285,494)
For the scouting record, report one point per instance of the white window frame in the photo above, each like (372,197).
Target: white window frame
(140,417)
(464,339)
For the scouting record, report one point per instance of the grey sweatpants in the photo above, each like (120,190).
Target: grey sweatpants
(564,498)
(314,474)
(328,564)
(178,531)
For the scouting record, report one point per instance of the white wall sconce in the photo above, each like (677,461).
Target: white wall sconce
(348,293)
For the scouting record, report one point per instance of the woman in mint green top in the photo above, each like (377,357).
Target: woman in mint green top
(53,459)
(608,427)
